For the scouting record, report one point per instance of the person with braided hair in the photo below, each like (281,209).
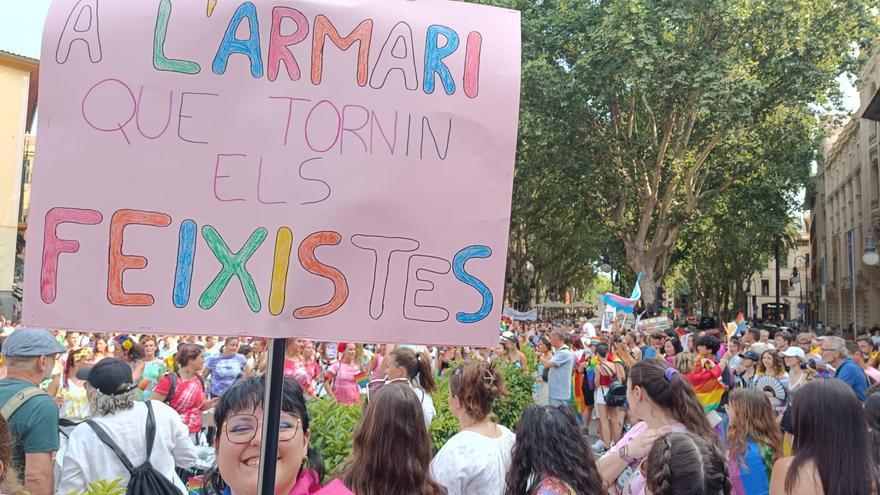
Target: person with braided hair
(682,463)
(662,400)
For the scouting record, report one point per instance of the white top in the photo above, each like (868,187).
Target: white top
(87,459)
(589,330)
(427,405)
(473,464)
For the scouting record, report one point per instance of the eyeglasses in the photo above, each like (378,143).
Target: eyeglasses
(242,428)
(374,385)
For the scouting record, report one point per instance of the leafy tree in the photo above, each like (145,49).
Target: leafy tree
(661,101)
(734,235)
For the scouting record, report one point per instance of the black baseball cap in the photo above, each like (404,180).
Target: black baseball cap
(110,376)
(750,354)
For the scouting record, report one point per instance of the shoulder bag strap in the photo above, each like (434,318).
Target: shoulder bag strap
(151,429)
(105,438)
(19,400)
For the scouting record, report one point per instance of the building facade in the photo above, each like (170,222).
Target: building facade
(846,210)
(793,291)
(18,101)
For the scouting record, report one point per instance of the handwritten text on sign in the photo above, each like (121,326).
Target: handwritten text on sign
(337,170)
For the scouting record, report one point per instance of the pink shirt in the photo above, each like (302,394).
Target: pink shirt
(344,385)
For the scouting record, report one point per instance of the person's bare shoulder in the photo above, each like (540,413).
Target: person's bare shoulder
(808,482)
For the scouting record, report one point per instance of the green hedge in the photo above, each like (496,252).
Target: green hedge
(333,424)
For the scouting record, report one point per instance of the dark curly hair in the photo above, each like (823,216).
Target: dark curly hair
(546,447)
(686,464)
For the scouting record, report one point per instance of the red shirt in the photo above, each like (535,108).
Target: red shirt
(187,400)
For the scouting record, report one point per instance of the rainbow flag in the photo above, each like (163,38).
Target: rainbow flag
(195,485)
(362,378)
(144,384)
(708,387)
(740,323)
(577,393)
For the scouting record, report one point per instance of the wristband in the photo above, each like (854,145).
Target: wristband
(622,452)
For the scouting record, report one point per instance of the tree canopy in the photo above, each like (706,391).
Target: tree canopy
(644,122)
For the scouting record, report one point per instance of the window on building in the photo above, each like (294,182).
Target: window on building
(783,261)
(765,287)
(783,287)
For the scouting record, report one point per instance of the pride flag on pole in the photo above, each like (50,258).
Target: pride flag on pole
(620,303)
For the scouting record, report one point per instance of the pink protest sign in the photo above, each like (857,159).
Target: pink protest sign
(332,170)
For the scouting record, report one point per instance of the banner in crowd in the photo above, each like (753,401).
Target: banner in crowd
(332,170)
(608,318)
(530,315)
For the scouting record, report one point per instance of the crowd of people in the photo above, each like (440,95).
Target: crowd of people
(732,410)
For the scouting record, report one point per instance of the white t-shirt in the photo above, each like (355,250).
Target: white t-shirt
(473,464)
(87,459)
(589,330)
(427,405)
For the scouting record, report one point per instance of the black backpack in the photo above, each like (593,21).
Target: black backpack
(145,480)
(172,387)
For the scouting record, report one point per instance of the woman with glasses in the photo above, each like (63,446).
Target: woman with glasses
(239,418)
(475,460)
(392,447)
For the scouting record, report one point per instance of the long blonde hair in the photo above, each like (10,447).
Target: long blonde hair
(753,417)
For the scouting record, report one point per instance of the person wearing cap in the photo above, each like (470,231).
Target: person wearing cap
(746,373)
(799,371)
(512,354)
(113,399)
(29,354)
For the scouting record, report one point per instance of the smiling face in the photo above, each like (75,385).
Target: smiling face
(231,346)
(767,361)
(865,349)
(792,362)
(239,463)
(668,348)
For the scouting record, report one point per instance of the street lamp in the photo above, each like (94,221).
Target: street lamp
(606,263)
(796,279)
(870,258)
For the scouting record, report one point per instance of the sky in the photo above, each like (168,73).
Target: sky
(21,28)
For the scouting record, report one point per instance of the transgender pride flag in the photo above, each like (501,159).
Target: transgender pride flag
(620,303)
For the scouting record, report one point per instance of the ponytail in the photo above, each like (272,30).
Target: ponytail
(426,373)
(671,391)
(416,364)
